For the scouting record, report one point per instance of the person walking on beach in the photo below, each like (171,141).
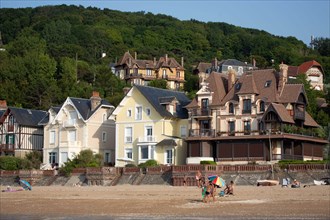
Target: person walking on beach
(198,178)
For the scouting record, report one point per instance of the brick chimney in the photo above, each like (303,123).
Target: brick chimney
(3,104)
(95,100)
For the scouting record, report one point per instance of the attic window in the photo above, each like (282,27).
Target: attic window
(29,111)
(267,84)
(238,86)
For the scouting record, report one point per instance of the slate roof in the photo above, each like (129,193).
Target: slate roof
(154,95)
(84,106)
(27,117)
(1,112)
(45,120)
(232,62)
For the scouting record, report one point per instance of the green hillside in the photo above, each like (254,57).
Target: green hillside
(55,51)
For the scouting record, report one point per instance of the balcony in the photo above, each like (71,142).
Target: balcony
(148,139)
(69,123)
(201,112)
(201,132)
(133,75)
(299,114)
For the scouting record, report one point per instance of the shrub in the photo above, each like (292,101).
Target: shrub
(9,163)
(86,158)
(208,162)
(148,163)
(130,165)
(35,158)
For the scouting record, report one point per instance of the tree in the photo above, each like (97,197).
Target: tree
(158,83)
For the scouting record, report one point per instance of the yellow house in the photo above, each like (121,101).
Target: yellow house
(77,125)
(150,124)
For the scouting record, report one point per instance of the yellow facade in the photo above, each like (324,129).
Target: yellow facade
(138,134)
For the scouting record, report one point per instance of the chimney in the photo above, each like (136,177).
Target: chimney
(135,55)
(254,62)
(182,62)
(95,100)
(126,90)
(154,61)
(231,78)
(3,104)
(283,77)
(165,57)
(215,62)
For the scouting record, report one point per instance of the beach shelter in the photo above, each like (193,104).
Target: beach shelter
(25,184)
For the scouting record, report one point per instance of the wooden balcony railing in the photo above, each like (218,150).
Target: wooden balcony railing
(201,112)
(202,133)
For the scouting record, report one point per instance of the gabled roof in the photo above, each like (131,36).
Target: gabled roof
(45,120)
(232,62)
(26,117)
(202,67)
(84,106)
(304,67)
(125,58)
(168,62)
(293,71)
(282,113)
(154,95)
(291,93)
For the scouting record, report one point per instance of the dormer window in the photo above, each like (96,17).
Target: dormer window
(238,86)
(205,103)
(268,83)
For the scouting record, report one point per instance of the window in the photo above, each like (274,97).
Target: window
(231,108)
(238,86)
(247,127)
(183,131)
(138,114)
(262,106)
(267,83)
(72,136)
(169,156)
(104,136)
(164,73)
(128,153)
(178,74)
(107,157)
(149,72)
(246,106)
(10,139)
(231,128)
(148,111)
(128,134)
(148,132)
(104,117)
(129,113)
(52,137)
(11,120)
(52,157)
(144,152)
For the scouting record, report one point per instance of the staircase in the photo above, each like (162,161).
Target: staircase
(138,179)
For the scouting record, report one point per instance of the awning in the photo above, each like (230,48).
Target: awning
(167,142)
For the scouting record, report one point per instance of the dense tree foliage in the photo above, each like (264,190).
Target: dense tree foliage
(55,51)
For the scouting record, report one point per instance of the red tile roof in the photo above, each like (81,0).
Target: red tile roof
(304,67)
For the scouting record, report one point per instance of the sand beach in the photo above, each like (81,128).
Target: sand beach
(164,202)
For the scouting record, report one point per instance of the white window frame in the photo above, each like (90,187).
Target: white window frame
(71,132)
(138,113)
(168,160)
(104,136)
(183,131)
(52,157)
(151,152)
(127,152)
(128,139)
(52,137)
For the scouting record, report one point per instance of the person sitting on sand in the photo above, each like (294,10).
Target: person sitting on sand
(295,184)
(229,190)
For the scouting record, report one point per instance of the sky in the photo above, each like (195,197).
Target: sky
(298,18)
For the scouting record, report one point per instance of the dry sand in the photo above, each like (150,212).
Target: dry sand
(164,202)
